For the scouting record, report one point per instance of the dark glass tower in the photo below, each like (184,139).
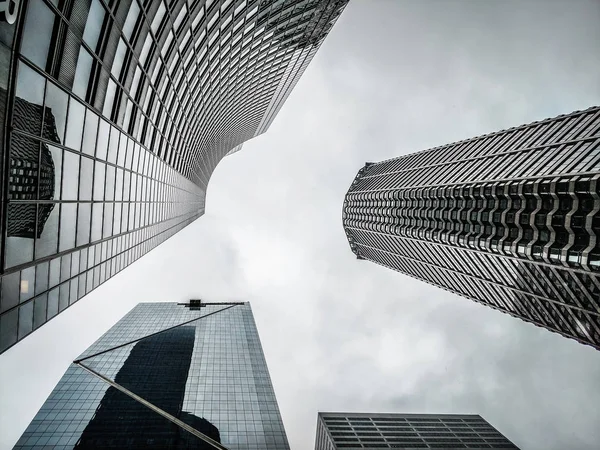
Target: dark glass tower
(208,374)
(408,431)
(509,219)
(113,116)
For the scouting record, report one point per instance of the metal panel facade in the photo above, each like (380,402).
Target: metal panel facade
(509,219)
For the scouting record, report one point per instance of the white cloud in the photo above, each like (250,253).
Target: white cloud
(341,334)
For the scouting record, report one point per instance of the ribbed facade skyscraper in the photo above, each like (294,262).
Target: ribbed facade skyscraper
(509,219)
(114,115)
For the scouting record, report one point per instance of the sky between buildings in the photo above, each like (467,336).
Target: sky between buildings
(340,334)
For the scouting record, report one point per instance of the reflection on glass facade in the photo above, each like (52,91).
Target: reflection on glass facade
(509,219)
(114,116)
(408,431)
(209,373)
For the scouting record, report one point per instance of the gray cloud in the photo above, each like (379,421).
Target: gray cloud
(340,334)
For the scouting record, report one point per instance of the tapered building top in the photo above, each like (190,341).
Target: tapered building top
(509,219)
(124,109)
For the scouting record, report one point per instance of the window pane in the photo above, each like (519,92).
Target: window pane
(75,125)
(56,113)
(63,296)
(102,147)
(54,272)
(68,215)
(10,291)
(70,176)
(109,184)
(82,72)
(118,61)
(56,156)
(21,225)
(97,210)
(41,277)
(93,25)
(47,241)
(108,220)
(99,181)
(37,33)
(25,319)
(109,98)
(90,132)
(28,104)
(24,168)
(119,185)
(39,311)
(8,329)
(83,223)
(86,177)
(65,267)
(132,15)
(52,303)
(156,21)
(117,219)
(27,286)
(114,145)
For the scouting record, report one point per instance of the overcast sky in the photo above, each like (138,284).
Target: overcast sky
(340,334)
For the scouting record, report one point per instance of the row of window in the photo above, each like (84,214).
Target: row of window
(82,271)
(561,129)
(569,287)
(510,222)
(64,280)
(470,274)
(163,100)
(583,157)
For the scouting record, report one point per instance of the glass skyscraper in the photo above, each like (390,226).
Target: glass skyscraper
(114,115)
(509,219)
(158,378)
(406,431)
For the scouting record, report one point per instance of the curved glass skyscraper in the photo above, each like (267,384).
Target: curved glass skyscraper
(509,219)
(114,115)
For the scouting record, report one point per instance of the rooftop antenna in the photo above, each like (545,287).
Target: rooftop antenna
(195,304)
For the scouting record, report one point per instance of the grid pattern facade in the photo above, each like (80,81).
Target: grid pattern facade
(225,385)
(509,219)
(406,431)
(124,109)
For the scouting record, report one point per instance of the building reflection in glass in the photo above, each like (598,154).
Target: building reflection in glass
(210,374)
(156,369)
(135,103)
(31,172)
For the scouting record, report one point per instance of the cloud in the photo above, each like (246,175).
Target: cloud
(342,334)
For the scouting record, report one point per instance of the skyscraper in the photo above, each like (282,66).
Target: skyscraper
(406,431)
(124,109)
(509,219)
(164,376)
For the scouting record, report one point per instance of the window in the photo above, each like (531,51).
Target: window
(93,25)
(70,172)
(56,100)
(132,16)
(38,33)
(82,72)
(68,216)
(75,125)
(160,13)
